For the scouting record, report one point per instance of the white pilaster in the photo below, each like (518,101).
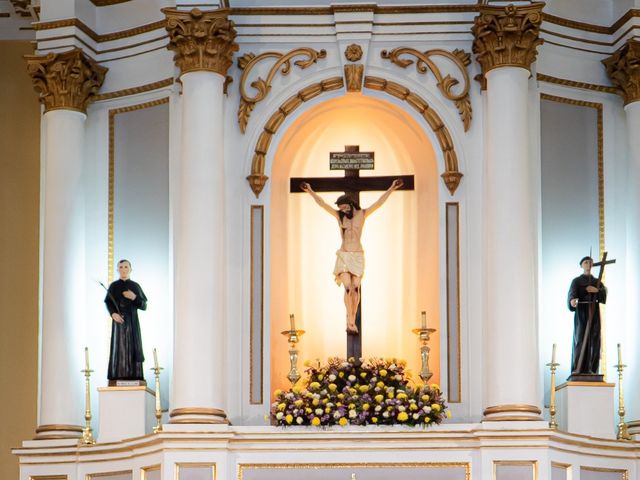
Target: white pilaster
(63,275)
(198,373)
(510,349)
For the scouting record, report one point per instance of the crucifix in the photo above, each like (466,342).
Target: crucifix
(352,160)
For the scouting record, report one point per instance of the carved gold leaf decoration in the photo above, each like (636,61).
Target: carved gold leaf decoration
(282,63)
(67,80)
(446,83)
(623,68)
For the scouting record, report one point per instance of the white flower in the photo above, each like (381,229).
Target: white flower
(378,408)
(337,414)
(319,411)
(426,409)
(401,408)
(385,414)
(398,377)
(332,377)
(289,396)
(299,420)
(392,366)
(416,416)
(279,415)
(353,414)
(352,378)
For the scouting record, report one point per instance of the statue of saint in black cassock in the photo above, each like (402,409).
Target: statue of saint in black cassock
(124,298)
(585,294)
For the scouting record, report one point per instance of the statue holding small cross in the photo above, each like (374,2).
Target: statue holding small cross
(349,266)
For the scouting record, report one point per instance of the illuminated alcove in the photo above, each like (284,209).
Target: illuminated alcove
(400,240)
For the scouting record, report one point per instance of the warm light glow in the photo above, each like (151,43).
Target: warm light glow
(400,240)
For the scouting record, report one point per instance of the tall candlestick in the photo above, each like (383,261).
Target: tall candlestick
(155,358)
(292,322)
(619,355)
(424,320)
(86,358)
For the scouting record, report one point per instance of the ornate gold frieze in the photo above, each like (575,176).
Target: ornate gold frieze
(507,36)
(445,83)
(451,175)
(257,179)
(202,41)
(353,52)
(623,68)
(67,80)
(283,64)
(353,74)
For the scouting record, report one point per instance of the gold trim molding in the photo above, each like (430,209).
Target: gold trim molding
(257,179)
(507,36)
(214,412)
(167,82)
(201,40)
(67,80)
(96,37)
(452,175)
(107,3)
(248,61)
(424,63)
(515,412)
(623,68)
(541,77)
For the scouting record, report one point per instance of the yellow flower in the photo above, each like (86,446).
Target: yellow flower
(383,373)
(325,400)
(277,393)
(436,407)
(315,402)
(448,413)
(380,384)
(364,388)
(314,385)
(320,376)
(378,398)
(327,410)
(341,396)
(307,410)
(352,406)
(402,416)
(366,407)
(298,403)
(401,396)
(333,387)
(363,374)
(374,419)
(343,421)
(427,419)
(289,419)
(316,421)
(435,386)
(390,394)
(296,389)
(425,398)
(341,374)
(413,406)
(338,404)
(282,406)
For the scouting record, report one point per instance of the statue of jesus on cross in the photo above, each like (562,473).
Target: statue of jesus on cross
(349,266)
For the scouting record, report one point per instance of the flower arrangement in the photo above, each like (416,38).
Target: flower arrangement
(346,392)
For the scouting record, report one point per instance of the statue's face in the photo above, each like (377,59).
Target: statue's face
(586,265)
(124,269)
(345,208)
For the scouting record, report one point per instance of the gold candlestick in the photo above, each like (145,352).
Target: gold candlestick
(623,433)
(424,334)
(553,424)
(156,371)
(87,432)
(294,337)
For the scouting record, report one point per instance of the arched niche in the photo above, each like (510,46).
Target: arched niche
(401,240)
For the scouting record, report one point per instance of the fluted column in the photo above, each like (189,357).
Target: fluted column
(623,68)
(66,82)
(505,44)
(204,44)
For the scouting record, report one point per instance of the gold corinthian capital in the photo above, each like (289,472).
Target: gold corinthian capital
(67,80)
(623,68)
(202,41)
(507,36)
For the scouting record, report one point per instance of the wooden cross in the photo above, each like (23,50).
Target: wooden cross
(352,160)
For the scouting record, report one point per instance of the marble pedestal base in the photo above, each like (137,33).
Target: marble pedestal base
(125,412)
(586,408)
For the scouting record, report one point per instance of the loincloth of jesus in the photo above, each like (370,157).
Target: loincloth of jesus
(348,262)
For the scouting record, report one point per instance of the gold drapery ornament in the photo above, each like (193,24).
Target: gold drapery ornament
(353,74)
(623,68)
(202,40)
(446,83)
(283,64)
(67,80)
(507,36)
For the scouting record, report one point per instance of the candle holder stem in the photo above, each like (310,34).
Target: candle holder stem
(553,424)
(87,432)
(623,432)
(293,338)
(424,336)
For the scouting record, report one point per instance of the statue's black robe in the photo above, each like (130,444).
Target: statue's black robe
(125,355)
(578,289)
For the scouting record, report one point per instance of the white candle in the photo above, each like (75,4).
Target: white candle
(155,358)
(553,354)
(292,321)
(619,355)
(86,358)
(424,320)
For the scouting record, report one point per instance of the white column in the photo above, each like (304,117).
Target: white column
(61,388)
(198,391)
(510,346)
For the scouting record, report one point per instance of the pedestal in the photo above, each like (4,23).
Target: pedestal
(125,412)
(586,408)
